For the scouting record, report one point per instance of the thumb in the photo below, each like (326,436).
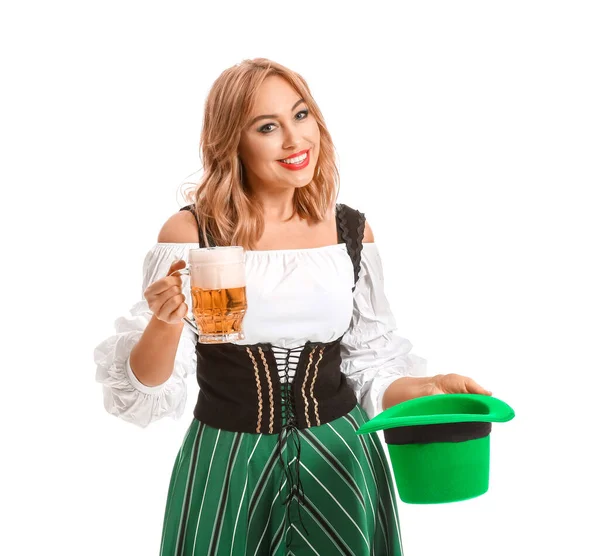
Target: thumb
(176,265)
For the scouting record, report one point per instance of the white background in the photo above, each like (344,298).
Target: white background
(468,132)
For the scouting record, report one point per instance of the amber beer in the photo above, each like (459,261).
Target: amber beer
(219,312)
(218,289)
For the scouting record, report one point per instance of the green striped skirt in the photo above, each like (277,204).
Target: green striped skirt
(228,494)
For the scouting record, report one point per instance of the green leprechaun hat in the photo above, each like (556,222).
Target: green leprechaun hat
(439,445)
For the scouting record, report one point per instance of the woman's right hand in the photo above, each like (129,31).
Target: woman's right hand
(165,297)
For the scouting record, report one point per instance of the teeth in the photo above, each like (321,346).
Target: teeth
(296,159)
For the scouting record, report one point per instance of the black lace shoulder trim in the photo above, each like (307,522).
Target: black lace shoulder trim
(351,229)
(211,241)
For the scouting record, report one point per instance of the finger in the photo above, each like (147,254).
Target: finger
(161,299)
(162,286)
(171,305)
(179,313)
(473,388)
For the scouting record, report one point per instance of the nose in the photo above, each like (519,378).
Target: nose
(291,137)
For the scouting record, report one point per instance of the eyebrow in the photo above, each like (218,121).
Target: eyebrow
(265,116)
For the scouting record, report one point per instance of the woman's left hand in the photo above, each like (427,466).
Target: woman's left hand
(454,384)
(409,387)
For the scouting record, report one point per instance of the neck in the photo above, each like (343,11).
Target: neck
(278,206)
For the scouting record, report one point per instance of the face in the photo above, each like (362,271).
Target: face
(280,147)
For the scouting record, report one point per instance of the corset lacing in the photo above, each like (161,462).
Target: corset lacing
(289,428)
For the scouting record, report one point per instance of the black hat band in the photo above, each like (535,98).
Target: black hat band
(443,432)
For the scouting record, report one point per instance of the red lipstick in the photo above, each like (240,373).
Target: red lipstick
(300,165)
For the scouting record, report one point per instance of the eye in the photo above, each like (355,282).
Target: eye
(264,129)
(303,112)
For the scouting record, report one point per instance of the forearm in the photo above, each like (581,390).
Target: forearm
(152,359)
(406,388)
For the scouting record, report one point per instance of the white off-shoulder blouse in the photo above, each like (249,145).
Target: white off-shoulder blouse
(294,296)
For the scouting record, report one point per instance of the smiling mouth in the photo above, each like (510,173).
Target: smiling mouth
(296,163)
(298,159)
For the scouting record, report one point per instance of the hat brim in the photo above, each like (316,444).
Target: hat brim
(441,408)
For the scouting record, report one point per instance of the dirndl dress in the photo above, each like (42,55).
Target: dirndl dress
(321,489)
(227,494)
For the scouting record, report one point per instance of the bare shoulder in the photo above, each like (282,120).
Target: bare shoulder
(179,228)
(368,235)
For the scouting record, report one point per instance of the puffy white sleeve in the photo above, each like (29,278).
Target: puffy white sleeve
(373,355)
(124,395)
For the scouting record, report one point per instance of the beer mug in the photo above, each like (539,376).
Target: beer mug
(218,292)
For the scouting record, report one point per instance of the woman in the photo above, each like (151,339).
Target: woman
(289,474)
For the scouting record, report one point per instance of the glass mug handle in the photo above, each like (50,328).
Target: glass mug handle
(189,318)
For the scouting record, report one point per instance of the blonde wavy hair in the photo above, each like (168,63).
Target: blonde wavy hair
(224,205)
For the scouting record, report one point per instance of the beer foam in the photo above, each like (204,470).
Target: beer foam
(221,255)
(216,268)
